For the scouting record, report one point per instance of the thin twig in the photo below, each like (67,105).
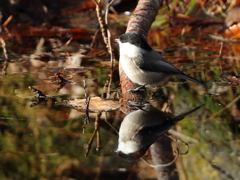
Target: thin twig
(177,140)
(112,63)
(101,22)
(87,102)
(223,39)
(220,50)
(84,87)
(219,169)
(5,65)
(223,109)
(105,90)
(106,35)
(4,69)
(6,23)
(109,123)
(96,124)
(68,42)
(8,20)
(90,143)
(107,10)
(4,48)
(96,131)
(109,35)
(94,38)
(109,84)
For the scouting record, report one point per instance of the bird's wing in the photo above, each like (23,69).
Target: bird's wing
(154,62)
(151,134)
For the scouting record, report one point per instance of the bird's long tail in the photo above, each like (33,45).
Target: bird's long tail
(184,76)
(182,116)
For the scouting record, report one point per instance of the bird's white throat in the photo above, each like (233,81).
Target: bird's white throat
(127,147)
(130,50)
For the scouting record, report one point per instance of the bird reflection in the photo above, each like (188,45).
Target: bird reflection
(141,128)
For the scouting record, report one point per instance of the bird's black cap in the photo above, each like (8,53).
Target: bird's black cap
(136,40)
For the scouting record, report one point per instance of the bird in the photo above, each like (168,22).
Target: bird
(141,128)
(143,65)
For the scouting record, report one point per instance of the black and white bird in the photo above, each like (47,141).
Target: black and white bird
(142,64)
(141,128)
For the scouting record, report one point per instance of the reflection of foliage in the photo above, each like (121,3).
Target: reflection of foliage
(34,140)
(218,143)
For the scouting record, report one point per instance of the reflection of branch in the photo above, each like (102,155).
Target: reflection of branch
(86,120)
(4,48)
(96,131)
(96,128)
(106,92)
(217,167)
(61,83)
(177,140)
(40,96)
(161,152)
(110,81)
(106,120)
(39,101)
(183,136)
(87,97)
(4,69)
(223,109)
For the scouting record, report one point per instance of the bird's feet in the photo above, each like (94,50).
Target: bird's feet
(138,89)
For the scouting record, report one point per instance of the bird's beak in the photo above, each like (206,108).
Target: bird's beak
(116,40)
